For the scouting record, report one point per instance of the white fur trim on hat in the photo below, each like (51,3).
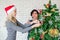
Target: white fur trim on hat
(9,11)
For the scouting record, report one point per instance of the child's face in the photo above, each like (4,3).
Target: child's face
(34,15)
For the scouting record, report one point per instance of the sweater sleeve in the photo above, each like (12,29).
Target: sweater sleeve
(24,25)
(18,28)
(19,24)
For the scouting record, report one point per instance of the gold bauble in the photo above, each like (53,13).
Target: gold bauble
(53,32)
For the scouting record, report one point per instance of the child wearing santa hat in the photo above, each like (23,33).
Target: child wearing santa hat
(13,25)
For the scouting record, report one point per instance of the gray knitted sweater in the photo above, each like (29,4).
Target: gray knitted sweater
(12,29)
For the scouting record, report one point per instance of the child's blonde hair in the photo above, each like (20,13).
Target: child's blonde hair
(11,18)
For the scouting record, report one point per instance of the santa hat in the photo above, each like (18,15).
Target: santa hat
(9,9)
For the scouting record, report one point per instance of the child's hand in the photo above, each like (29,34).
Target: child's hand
(36,25)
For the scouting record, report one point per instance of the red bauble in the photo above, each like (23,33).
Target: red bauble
(41,36)
(32,38)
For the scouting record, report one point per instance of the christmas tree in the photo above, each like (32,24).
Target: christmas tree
(50,29)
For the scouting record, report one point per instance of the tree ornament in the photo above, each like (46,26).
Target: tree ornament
(59,12)
(40,30)
(42,36)
(55,26)
(57,18)
(53,10)
(53,32)
(50,22)
(47,5)
(41,18)
(32,38)
(35,30)
(44,32)
(40,11)
(48,14)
